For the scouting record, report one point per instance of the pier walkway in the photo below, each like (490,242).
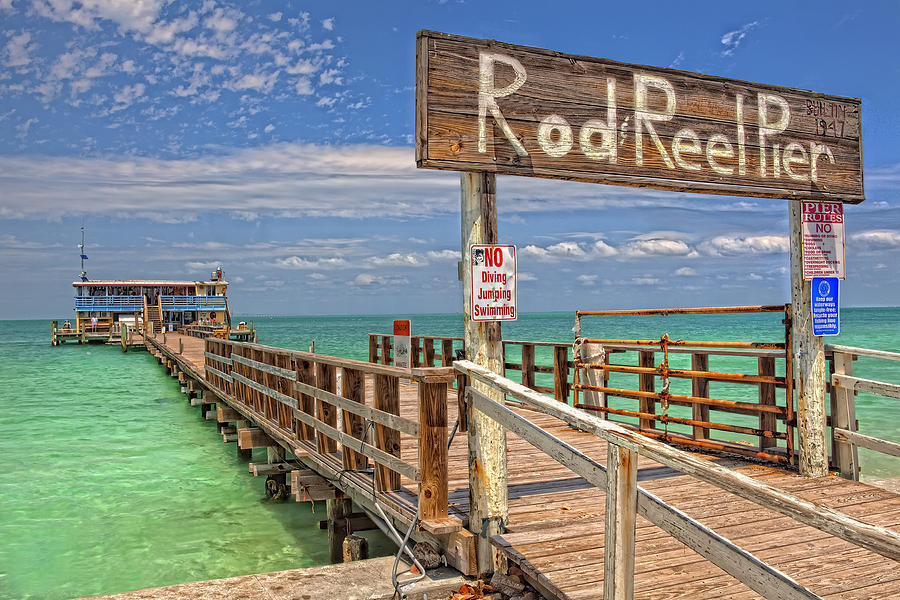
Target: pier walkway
(556,532)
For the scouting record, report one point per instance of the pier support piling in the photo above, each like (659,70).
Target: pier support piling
(241,452)
(355,547)
(339,511)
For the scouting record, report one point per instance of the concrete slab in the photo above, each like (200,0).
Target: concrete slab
(361,580)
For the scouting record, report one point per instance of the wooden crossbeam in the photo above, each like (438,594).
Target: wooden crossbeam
(254,437)
(226,414)
(308,486)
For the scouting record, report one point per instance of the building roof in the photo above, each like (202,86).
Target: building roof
(144,283)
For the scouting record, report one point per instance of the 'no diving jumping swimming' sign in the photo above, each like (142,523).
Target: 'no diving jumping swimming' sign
(493,282)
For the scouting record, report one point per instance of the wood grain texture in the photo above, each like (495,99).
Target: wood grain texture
(483,105)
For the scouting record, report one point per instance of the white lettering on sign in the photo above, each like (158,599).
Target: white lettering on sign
(488,94)
(823,239)
(655,102)
(493,282)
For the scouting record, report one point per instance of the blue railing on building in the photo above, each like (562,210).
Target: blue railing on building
(109,303)
(192,302)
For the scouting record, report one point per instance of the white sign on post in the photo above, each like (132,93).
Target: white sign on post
(493,282)
(823,239)
(403,344)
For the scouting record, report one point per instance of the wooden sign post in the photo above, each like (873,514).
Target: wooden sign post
(488,513)
(485,107)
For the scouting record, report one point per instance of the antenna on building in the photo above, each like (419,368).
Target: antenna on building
(83,255)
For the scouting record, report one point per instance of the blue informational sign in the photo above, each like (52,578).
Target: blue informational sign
(826,306)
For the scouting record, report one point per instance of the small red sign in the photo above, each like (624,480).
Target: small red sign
(402,327)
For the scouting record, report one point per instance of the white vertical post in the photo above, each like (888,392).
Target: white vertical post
(844,416)
(621,517)
(809,361)
(488,512)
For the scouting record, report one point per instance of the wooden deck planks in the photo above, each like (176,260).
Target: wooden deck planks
(556,523)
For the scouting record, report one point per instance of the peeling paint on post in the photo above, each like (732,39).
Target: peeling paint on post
(488,513)
(809,358)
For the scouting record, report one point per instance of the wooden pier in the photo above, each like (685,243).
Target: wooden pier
(703,526)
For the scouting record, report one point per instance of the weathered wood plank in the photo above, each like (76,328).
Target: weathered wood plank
(865,441)
(858,384)
(499,108)
(720,551)
(372,452)
(862,352)
(265,391)
(387,439)
(876,539)
(264,367)
(353,384)
(433,488)
(373,414)
(253,437)
(621,518)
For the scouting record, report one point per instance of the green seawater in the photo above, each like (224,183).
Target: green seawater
(112,482)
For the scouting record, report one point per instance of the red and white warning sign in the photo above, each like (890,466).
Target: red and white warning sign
(823,239)
(402,343)
(493,282)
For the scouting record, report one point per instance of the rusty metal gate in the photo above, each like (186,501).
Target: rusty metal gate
(683,409)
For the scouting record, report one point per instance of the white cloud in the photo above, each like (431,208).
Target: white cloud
(370,280)
(329,76)
(127,14)
(685,272)
(555,252)
(443,255)
(527,276)
(328,24)
(128,95)
(269,128)
(398,259)
(877,239)
(566,250)
(223,20)
(24,128)
(275,17)
(303,86)
(733,39)
(650,281)
(259,82)
(299,263)
(18,49)
(602,249)
(588,280)
(739,245)
(195,265)
(639,248)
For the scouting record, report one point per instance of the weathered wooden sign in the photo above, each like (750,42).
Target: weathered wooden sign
(488,106)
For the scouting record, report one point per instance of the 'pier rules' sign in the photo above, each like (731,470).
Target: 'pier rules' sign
(487,106)
(826,305)
(823,239)
(493,282)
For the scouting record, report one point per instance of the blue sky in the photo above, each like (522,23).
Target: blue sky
(275,138)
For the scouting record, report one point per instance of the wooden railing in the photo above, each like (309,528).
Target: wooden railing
(844,386)
(671,374)
(625,500)
(296,394)
(429,350)
(671,397)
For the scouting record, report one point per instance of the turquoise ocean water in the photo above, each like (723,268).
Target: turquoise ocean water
(112,482)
